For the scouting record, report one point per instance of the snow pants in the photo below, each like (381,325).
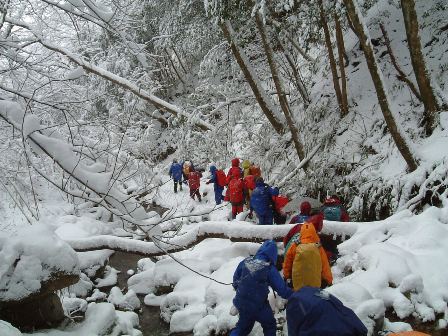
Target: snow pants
(177,183)
(218,193)
(195,192)
(247,320)
(236,209)
(265,219)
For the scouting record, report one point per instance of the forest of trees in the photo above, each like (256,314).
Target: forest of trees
(118,86)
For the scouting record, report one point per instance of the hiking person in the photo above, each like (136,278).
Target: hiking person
(306,262)
(255,170)
(249,184)
(235,167)
(194,182)
(186,169)
(218,178)
(279,203)
(176,174)
(333,210)
(261,202)
(236,193)
(246,168)
(313,311)
(251,280)
(294,233)
(305,211)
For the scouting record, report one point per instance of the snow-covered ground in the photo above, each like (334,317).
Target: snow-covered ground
(399,263)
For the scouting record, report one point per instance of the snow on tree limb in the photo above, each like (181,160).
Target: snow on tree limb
(64,155)
(122,82)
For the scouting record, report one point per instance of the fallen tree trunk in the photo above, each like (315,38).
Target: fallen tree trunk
(235,232)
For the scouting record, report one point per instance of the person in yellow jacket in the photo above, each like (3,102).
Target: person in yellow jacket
(246,168)
(306,262)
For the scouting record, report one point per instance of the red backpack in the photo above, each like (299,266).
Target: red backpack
(221,178)
(194,180)
(249,180)
(236,187)
(255,170)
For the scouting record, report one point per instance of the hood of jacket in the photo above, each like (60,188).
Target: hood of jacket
(235,162)
(275,191)
(268,252)
(236,174)
(305,208)
(212,169)
(308,234)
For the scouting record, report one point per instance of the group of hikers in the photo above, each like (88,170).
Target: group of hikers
(310,310)
(245,187)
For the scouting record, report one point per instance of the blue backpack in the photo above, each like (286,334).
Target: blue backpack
(332,212)
(314,312)
(261,200)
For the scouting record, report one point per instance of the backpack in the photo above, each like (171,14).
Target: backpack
(255,170)
(294,239)
(221,178)
(194,180)
(236,188)
(307,266)
(280,202)
(250,182)
(312,311)
(261,200)
(332,212)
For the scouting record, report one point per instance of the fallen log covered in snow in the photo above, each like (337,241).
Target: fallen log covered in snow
(192,235)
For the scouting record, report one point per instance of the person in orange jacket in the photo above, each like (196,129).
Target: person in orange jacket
(317,269)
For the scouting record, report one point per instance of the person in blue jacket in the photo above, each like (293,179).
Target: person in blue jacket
(251,280)
(176,174)
(261,202)
(217,188)
(312,311)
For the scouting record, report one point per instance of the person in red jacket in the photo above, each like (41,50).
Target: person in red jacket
(305,212)
(194,182)
(279,203)
(235,167)
(249,185)
(236,193)
(316,220)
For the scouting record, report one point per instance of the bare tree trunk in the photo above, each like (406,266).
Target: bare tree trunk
(298,48)
(377,78)
(418,64)
(401,75)
(174,66)
(297,78)
(341,53)
(334,70)
(178,58)
(251,77)
(278,86)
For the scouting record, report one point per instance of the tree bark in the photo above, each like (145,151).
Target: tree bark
(401,75)
(341,53)
(251,77)
(334,71)
(297,78)
(418,64)
(377,78)
(279,87)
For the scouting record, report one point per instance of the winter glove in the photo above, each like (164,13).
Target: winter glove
(208,182)
(233,311)
(251,215)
